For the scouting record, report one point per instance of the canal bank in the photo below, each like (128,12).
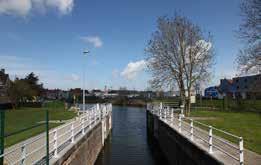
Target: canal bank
(128,143)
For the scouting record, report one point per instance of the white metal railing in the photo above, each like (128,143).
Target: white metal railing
(33,150)
(206,133)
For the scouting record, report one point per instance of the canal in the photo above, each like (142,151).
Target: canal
(128,143)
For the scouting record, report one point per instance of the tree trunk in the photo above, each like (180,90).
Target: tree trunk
(183,97)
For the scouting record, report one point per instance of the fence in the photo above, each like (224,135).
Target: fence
(34,150)
(228,103)
(196,130)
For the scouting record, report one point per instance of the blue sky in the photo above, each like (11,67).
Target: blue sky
(48,37)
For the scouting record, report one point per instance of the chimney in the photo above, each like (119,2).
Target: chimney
(3,70)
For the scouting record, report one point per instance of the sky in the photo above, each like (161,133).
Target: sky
(48,37)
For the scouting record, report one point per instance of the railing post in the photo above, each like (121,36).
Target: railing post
(182,110)
(72,133)
(172,116)
(241,151)
(55,144)
(47,136)
(97,110)
(210,140)
(83,126)
(92,114)
(165,113)
(179,122)
(191,129)
(2,133)
(160,109)
(23,156)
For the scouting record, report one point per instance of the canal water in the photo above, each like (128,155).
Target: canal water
(128,143)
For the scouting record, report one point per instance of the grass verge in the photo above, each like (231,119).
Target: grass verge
(245,124)
(19,119)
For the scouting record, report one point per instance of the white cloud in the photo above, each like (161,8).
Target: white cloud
(24,7)
(133,68)
(16,7)
(64,6)
(94,40)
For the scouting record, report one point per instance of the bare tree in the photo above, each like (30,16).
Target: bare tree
(249,59)
(180,55)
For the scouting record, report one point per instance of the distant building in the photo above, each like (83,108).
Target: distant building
(51,94)
(213,92)
(247,85)
(4,85)
(227,88)
(63,95)
(168,94)
(238,87)
(97,93)
(148,94)
(111,94)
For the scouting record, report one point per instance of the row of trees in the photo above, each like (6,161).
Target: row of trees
(24,89)
(179,54)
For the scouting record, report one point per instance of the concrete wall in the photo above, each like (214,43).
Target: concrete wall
(177,149)
(86,150)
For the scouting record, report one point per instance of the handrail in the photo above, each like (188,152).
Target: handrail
(28,150)
(166,113)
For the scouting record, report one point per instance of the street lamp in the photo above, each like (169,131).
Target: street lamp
(85,52)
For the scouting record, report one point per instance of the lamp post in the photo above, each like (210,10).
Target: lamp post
(83,95)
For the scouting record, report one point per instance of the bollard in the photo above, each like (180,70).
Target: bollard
(55,145)
(241,151)
(191,129)
(210,140)
(179,122)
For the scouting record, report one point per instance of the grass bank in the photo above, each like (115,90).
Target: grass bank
(245,124)
(22,118)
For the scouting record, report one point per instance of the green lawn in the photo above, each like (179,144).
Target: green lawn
(245,124)
(18,119)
